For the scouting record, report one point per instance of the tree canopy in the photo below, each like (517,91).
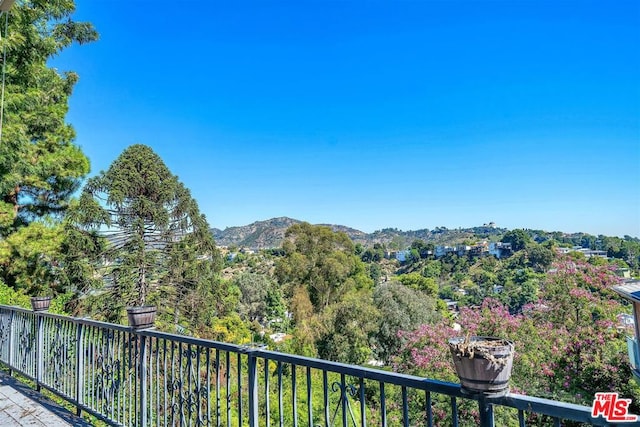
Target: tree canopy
(40,165)
(518,239)
(156,233)
(323,261)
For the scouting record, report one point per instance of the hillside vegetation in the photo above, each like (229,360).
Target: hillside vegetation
(269,234)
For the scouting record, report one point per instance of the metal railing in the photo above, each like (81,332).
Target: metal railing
(150,378)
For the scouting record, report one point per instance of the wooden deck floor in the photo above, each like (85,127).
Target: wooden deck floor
(21,405)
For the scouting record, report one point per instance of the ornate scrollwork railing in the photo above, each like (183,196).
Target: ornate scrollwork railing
(150,378)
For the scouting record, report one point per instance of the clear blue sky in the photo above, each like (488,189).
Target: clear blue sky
(371,114)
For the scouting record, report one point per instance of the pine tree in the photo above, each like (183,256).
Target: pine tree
(40,166)
(159,244)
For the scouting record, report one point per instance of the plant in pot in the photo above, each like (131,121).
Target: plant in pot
(43,280)
(142,316)
(483,364)
(134,288)
(42,300)
(144,212)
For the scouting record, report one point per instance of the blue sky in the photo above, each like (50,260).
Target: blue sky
(372,114)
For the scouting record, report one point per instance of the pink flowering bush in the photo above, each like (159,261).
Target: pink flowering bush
(568,345)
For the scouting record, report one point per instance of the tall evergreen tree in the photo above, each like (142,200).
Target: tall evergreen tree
(156,233)
(40,166)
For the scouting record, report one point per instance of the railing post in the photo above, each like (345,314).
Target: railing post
(10,349)
(486,413)
(79,367)
(142,374)
(39,350)
(253,389)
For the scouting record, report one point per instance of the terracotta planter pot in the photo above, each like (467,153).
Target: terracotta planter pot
(141,317)
(483,364)
(40,303)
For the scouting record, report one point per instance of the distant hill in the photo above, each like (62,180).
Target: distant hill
(270,234)
(258,235)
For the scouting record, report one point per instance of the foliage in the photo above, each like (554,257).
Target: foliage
(323,261)
(346,328)
(29,258)
(567,346)
(40,167)
(229,329)
(401,308)
(539,257)
(420,283)
(257,292)
(11,296)
(305,332)
(158,242)
(518,238)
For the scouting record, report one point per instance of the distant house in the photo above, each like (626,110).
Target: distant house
(592,252)
(451,305)
(402,255)
(479,249)
(278,337)
(588,253)
(444,250)
(500,249)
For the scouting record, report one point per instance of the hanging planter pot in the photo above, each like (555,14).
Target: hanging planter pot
(40,303)
(141,317)
(483,364)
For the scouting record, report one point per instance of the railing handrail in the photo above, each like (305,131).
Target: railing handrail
(517,401)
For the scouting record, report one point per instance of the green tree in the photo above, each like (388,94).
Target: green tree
(424,249)
(401,309)
(518,238)
(305,332)
(276,306)
(40,167)
(155,230)
(79,250)
(346,329)
(432,269)
(540,258)
(375,272)
(192,285)
(419,283)
(323,261)
(29,258)
(372,254)
(254,289)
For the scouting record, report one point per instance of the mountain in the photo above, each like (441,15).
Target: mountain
(258,235)
(270,234)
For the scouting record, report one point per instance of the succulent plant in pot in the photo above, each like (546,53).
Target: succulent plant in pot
(483,364)
(42,300)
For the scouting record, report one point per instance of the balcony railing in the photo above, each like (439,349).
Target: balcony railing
(151,378)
